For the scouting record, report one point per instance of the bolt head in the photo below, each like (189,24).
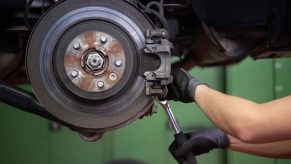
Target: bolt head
(164,34)
(75,74)
(76,46)
(94,61)
(112,76)
(118,63)
(100,84)
(103,39)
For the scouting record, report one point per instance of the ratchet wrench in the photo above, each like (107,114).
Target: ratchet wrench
(179,135)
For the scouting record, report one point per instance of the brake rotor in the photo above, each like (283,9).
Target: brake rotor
(84,63)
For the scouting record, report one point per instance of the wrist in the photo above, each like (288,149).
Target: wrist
(218,137)
(197,90)
(223,140)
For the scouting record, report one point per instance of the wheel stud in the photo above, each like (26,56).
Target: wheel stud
(118,63)
(75,74)
(103,39)
(76,46)
(100,84)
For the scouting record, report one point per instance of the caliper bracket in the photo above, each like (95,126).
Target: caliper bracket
(157,43)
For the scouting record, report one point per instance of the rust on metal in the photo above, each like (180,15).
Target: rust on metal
(89,38)
(71,60)
(85,82)
(115,48)
(111,51)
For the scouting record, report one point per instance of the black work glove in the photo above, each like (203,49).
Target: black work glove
(199,143)
(183,87)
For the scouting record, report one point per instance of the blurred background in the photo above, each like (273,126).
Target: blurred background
(28,139)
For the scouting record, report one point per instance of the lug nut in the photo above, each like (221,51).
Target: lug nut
(76,46)
(113,76)
(118,63)
(100,84)
(75,74)
(103,39)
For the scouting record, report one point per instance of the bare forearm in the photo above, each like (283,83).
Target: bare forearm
(273,150)
(232,114)
(244,119)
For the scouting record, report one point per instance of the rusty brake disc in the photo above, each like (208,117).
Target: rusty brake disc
(85,62)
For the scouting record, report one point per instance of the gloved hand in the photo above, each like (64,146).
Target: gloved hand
(199,143)
(183,87)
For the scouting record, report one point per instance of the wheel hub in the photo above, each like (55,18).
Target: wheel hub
(93,61)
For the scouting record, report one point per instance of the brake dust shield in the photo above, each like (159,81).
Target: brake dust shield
(85,63)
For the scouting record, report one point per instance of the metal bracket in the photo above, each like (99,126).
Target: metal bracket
(157,43)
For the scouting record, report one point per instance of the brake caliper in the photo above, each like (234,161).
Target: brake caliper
(157,43)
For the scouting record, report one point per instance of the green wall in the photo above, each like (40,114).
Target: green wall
(27,139)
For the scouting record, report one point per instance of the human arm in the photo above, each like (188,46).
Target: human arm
(201,142)
(281,149)
(261,129)
(248,121)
